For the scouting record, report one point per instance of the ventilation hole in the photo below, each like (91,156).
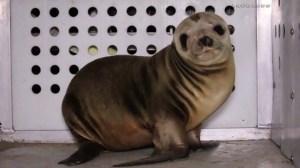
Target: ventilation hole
(112,50)
(54,12)
(55,88)
(54,50)
(229,10)
(35,50)
(54,69)
(112,30)
(151,10)
(170,30)
(73,69)
(112,11)
(231,29)
(170,10)
(93,50)
(233,48)
(131,11)
(35,31)
(35,12)
(275,31)
(73,31)
(190,10)
(93,11)
(36,89)
(279,3)
(151,49)
(131,30)
(73,12)
(93,31)
(298,30)
(36,70)
(54,31)
(279,63)
(151,30)
(283,33)
(279,32)
(210,9)
(73,50)
(131,49)
(292,31)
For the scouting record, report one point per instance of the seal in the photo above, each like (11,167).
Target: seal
(122,103)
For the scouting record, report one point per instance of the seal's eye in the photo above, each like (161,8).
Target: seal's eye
(183,41)
(219,29)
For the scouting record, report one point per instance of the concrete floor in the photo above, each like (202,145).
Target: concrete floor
(231,154)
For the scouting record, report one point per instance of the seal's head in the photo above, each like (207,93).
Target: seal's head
(203,39)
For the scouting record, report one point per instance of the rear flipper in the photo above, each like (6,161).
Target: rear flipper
(86,152)
(170,142)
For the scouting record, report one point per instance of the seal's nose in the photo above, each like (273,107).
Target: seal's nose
(206,41)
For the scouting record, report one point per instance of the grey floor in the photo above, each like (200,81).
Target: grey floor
(231,154)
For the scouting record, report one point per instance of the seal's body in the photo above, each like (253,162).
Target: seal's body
(125,102)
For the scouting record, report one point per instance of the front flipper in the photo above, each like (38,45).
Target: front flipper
(170,142)
(86,152)
(193,137)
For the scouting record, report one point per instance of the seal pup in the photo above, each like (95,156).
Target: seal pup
(121,103)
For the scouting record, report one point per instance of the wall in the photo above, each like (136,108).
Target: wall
(286,60)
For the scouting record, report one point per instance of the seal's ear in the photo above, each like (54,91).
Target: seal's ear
(183,41)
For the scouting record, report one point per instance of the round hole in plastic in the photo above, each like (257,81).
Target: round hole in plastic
(190,10)
(35,12)
(35,31)
(55,88)
(92,11)
(36,70)
(73,12)
(170,30)
(73,69)
(54,12)
(210,9)
(35,50)
(131,30)
(111,11)
(112,50)
(93,50)
(73,31)
(170,10)
(54,69)
(131,11)
(54,50)
(233,48)
(73,50)
(231,29)
(36,89)
(54,31)
(93,31)
(131,49)
(151,10)
(151,49)
(151,30)
(292,31)
(229,10)
(112,30)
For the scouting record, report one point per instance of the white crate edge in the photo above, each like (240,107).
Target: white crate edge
(65,136)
